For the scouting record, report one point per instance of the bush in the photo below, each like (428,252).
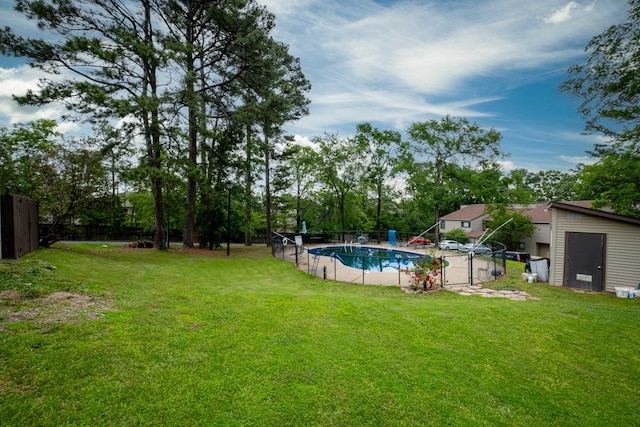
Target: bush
(458,234)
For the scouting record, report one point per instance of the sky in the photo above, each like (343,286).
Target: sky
(391,63)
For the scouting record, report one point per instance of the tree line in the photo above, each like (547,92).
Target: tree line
(186,96)
(191,84)
(372,181)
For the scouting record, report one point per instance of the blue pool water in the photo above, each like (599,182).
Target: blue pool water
(369,258)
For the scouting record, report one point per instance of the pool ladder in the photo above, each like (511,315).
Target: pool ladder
(314,267)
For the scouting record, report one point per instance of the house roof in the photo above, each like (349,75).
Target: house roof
(466,213)
(571,206)
(580,203)
(475,234)
(538,212)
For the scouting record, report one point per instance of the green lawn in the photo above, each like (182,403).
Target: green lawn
(205,339)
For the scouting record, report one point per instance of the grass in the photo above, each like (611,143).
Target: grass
(205,339)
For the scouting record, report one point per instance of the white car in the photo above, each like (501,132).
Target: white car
(448,245)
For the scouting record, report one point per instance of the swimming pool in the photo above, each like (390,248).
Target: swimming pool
(370,258)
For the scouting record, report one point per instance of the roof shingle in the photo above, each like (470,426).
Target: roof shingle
(466,213)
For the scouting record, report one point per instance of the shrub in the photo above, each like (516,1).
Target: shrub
(458,234)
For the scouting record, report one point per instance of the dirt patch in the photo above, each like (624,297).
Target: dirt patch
(59,307)
(419,290)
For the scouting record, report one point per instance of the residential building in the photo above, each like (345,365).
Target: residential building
(473,219)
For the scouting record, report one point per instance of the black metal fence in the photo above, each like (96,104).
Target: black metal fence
(456,268)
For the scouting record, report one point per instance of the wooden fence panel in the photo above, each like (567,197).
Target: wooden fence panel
(19,225)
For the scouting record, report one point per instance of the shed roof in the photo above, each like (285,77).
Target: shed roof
(571,206)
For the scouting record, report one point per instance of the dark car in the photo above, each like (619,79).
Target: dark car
(514,255)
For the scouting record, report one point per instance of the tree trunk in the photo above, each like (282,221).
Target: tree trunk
(379,210)
(152,134)
(298,206)
(342,198)
(189,213)
(267,188)
(436,210)
(247,203)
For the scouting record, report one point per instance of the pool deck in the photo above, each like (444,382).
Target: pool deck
(456,273)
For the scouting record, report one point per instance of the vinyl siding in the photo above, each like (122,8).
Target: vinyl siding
(452,224)
(622,247)
(540,236)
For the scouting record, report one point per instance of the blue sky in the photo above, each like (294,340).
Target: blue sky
(392,63)
(497,62)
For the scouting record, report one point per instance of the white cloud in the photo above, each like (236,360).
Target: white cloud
(434,49)
(574,160)
(67,127)
(563,14)
(507,165)
(403,61)
(395,62)
(303,140)
(17,81)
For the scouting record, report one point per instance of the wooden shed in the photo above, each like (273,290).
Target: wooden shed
(593,249)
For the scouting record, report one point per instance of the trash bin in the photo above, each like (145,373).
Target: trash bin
(541,268)
(392,237)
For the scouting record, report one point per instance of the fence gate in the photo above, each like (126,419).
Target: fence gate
(457,270)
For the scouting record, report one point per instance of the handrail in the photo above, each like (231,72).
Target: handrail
(482,240)
(285,238)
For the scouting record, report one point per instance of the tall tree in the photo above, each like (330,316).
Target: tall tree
(110,49)
(67,178)
(294,175)
(518,182)
(515,231)
(273,96)
(219,47)
(340,169)
(613,182)
(23,150)
(452,141)
(608,81)
(609,84)
(470,185)
(552,185)
(382,151)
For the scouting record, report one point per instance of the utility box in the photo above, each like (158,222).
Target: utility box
(392,237)
(541,268)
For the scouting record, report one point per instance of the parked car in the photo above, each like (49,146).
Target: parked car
(478,249)
(416,240)
(514,255)
(448,245)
